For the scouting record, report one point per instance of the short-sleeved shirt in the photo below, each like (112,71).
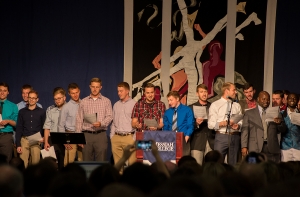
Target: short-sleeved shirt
(154,110)
(9,112)
(51,121)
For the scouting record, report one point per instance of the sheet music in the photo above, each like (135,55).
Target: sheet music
(236,118)
(150,122)
(1,127)
(295,118)
(49,153)
(90,118)
(271,113)
(35,138)
(200,112)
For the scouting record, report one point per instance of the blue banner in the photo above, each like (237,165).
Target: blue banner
(165,142)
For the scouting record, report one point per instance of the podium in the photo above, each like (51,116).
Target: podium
(67,138)
(178,142)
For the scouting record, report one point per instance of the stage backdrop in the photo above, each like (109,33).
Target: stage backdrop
(210,41)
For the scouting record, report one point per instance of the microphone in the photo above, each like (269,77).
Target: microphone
(232,99)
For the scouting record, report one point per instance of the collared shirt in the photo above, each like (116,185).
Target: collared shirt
(185,119)
(260,109)
(29,123)
(101,106)
(9,112)
(154,110)
(51,121)
(122,117)
(291,138)
(23,104)
(67,118)
(218,112)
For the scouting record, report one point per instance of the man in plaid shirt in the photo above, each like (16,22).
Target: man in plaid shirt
(148,108)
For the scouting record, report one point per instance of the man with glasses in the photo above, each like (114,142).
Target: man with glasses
(30,122)
(51,124)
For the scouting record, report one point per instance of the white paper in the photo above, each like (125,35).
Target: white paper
(271,113)
(295,118)
(1,127)
(235,118)
(200,112)
(90,118)
(150,122)
(35,138)
(49,153)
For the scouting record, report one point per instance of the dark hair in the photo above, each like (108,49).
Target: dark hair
(247,86)
(26,86)
(35,92)
(4,85)
(124,85)
(286,92)
(296,95)
(72,86)
(280,92)
(203,86)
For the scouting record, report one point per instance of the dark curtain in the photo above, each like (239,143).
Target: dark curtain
(287,42)
(52,43)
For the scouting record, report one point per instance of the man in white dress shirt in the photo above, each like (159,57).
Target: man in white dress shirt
(228,138)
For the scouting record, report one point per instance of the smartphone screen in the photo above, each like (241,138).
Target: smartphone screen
(252,160)
(143,144)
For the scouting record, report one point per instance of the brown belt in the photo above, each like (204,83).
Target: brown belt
(124,134)
(230,133)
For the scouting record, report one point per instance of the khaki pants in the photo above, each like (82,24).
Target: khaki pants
(34,151)
(118,143)
(199,155)
(72,154)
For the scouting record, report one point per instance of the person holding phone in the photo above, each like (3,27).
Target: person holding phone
(260,136)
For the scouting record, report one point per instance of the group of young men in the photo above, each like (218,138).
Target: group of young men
(277,139)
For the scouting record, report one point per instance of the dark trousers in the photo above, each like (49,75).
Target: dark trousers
(60,153)
(95,147)
(230,145)
(271,156)
(6,147)
(186,148)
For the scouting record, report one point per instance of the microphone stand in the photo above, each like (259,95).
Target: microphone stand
(227,128)
(228,116)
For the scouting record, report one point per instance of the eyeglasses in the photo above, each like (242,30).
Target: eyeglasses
(59,98)
(32,98)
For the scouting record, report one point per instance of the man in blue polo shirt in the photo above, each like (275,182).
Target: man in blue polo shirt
(179,118)
(9,115)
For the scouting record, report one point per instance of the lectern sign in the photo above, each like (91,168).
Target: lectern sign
(166,144)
